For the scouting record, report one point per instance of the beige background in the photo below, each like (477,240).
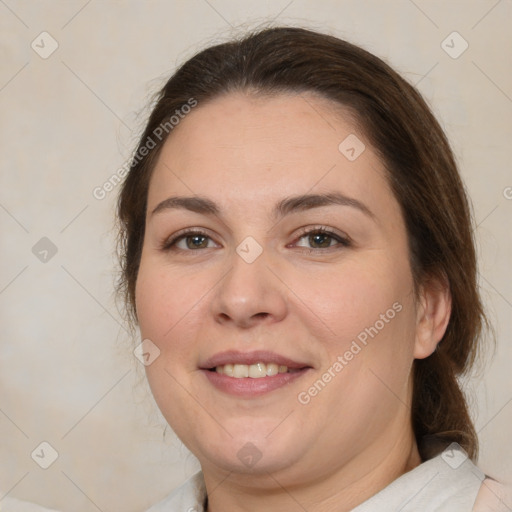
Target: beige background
(68,122)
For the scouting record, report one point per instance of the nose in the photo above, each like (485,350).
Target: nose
(249,294)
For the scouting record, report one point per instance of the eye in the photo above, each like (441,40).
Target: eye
(190,240)
(313,239)
(319,238)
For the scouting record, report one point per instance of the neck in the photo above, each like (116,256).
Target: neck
(338,491)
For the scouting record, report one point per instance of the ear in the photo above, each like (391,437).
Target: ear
(433,314)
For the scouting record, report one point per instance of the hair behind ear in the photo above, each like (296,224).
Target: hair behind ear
(439,409)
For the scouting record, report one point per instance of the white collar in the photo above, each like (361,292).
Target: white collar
(447,483)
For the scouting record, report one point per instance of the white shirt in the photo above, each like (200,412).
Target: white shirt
(447,483)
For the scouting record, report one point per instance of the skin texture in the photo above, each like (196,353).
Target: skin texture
(246,154)
(493,497)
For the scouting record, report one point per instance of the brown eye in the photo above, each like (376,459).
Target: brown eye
(196,241)
(188,241)
(317,239)
(320,240)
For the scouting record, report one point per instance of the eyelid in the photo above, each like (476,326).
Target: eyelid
(169,242)
(343,239)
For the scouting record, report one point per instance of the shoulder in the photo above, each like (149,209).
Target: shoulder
(447,482)
(493,496)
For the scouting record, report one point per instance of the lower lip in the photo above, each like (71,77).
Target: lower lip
(248,387)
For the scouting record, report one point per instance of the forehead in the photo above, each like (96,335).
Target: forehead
(252,150)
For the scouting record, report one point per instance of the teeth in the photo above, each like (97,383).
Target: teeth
(257,370)
(240,371)
(254,371)
(272,369)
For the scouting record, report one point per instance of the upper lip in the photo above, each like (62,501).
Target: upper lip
(258,356)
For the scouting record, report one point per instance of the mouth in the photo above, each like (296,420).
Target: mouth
(251,374)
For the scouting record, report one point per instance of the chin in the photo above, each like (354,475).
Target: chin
(250,460)
(252,447)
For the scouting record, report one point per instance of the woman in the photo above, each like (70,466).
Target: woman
(297,251)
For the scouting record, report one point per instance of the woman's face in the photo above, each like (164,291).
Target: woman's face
(272,237)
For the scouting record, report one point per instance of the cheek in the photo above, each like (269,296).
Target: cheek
(369,309)
(356,298)
(369,362)
(167,305)
(166,301)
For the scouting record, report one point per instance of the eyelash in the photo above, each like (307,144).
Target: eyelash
(343,241)
(169,244)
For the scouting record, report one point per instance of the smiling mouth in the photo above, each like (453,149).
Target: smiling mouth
(253,371)
(252,374)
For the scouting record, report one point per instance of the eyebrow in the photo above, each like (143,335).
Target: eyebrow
(284,207)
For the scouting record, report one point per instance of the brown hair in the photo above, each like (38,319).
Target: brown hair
(421,170)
